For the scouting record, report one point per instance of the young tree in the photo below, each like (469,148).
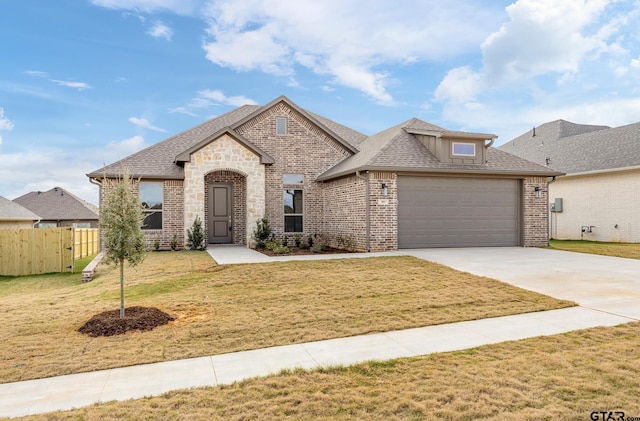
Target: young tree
(121,219)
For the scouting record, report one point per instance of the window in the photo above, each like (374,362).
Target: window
(463,149)
(292,210)
(281,126)
(47,225)
(82,225)
(293,178)
(151,197)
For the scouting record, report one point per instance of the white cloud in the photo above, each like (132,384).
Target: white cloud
(335,38)
(77,85)
(220,98)
(5,123)
(181,110)
(36,73)
(146,124)
(115,151)
(181,7)
(635,63)
(541,37)
(160,30)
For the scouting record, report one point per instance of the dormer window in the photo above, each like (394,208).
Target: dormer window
(463,149)
(281,126)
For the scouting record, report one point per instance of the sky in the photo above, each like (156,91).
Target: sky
(84,83)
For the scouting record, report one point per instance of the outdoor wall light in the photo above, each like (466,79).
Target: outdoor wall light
(538,191)
(384,189)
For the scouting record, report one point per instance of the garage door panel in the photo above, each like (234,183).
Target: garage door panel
(457,212)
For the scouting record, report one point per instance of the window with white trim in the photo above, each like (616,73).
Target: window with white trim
(463,149)
(152,197)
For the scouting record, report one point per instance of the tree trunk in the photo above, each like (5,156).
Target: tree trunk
(122,288)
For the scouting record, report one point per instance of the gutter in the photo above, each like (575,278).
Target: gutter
(367,211)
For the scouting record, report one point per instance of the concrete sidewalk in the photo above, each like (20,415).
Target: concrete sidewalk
(607,289)
(78,390)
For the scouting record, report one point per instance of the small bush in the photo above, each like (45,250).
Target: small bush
(174,243)
(195,236)
(156,244)
(297,239)
(262,232)
(317,248)
(272,244)
(281,250)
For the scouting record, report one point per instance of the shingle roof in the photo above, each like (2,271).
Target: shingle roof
(576,148)
(57,204)
(396,149)
(12,211)
(158,161)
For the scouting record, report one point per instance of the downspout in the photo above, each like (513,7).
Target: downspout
(550,222)
(367,211)
(99,184)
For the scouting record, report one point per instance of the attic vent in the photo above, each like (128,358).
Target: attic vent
(547,160)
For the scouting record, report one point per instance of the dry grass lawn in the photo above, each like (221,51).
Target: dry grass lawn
(223,309)
(627,250)
(561,377)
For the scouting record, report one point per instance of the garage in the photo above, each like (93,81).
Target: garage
(458,212)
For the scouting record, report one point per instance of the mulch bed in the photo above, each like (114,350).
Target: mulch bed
(293,251)
(109,323)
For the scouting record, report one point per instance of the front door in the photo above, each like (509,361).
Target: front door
(220,213)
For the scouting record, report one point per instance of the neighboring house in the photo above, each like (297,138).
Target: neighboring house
(14,216)
(59,208)
(413,185)
(598,197)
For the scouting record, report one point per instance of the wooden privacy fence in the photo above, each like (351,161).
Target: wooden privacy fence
(44,250)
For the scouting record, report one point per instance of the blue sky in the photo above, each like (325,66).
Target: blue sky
(86,82)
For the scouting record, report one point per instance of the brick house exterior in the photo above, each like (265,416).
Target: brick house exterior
(311,177)
(596,199)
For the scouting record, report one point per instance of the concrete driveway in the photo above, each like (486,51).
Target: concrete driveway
(608,284)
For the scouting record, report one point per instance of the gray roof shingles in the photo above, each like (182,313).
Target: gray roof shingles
(575,148)
(12,211)
(58,204)
(393,149)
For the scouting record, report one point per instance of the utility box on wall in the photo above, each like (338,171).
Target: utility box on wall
(556,206)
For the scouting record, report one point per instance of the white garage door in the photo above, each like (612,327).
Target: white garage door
(457,212)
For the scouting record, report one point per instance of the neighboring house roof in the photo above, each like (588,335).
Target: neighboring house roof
(159,160)
(58,204)
(397,149)
(11,211)
(576,148)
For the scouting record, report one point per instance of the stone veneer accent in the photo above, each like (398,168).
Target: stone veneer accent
(224,154)
(306,150)
(535,212)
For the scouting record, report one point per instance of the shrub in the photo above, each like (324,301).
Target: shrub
(297,239)
(195,236)
(262,232)
(156,244)
(174,243)
(281,250)
(272,244)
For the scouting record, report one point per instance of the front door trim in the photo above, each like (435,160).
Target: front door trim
(220,215)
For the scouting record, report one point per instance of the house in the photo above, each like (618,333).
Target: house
(598,197)
(59,208)
(412,185)
(14,216)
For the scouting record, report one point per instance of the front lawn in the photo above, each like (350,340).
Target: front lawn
(627,250)
(561,377)
(223,309)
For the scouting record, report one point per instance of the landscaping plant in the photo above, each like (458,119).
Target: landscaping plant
(195,236)
(121,219)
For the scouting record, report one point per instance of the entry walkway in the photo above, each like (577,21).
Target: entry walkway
(607,289)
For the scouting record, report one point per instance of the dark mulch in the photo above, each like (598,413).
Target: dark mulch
(294,251)
(109,323)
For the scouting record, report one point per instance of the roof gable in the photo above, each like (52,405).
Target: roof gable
(185,156)
(57,204)
(398,149)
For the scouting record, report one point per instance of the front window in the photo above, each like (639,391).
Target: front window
(463,149)
(151,196)
(293,210)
